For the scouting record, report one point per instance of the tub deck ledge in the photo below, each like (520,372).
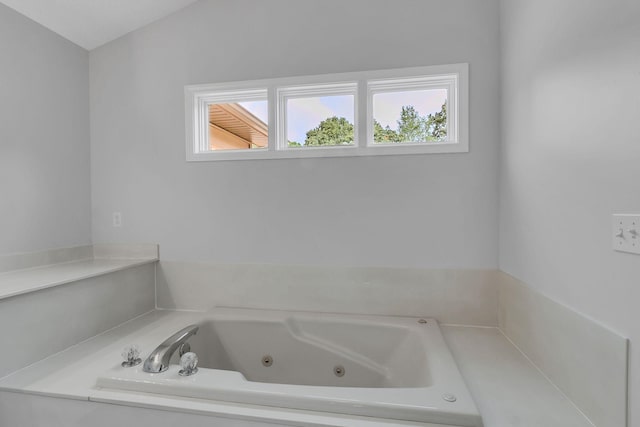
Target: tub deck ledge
(506,387)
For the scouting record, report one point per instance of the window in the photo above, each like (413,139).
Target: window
(402,111)
(238,125)
(410,117)
(317,116)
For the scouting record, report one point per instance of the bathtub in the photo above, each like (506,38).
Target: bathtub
(384,367)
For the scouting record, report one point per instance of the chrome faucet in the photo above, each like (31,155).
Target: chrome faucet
(158,360)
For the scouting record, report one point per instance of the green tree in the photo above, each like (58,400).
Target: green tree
(411,126)
(436,125)
(331,131)
(415,128)
(384,135)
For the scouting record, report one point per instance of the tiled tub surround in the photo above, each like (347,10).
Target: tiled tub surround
(64,296)
(508,389)
(587,361)
(575,352)
(463,297)
(506,386)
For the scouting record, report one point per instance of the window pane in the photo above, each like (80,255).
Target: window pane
(320,121)
(238,126)
(410,116)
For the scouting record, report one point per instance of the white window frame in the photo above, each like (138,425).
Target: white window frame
(310,91)
(435,82)
(362,85)
(201,108)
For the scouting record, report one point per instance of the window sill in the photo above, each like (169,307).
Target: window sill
(301,153)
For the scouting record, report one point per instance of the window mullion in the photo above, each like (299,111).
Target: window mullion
(362,119)
(272,102)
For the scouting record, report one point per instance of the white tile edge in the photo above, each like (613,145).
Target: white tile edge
(254,413)
(98,271)
(506,279)
(544,375)
(68,396)
(509,276)
(38,259)
(27,260)
(230,413)
(219,409)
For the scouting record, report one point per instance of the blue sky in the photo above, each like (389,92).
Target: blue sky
(387,105)
(258,109)
(305,114)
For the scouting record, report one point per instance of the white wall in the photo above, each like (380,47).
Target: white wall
(44,138)
(571,156)
(419,211)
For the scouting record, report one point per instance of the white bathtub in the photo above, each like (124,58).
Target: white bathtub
(394,368)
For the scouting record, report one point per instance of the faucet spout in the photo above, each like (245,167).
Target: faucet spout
(158,360)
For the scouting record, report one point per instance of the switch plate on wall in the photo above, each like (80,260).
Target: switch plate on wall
(117,219)
(626,233)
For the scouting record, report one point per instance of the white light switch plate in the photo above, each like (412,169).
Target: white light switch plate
(117,219)
(625,232)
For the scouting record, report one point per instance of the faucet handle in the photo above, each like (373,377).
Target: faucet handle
(189,364)
(131,356)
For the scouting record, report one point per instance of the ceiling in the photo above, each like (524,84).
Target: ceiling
(92,23)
